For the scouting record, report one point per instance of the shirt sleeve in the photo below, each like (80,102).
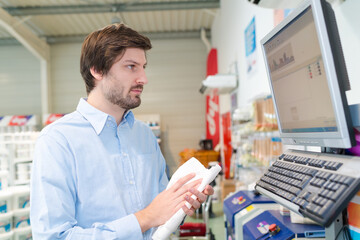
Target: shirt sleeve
(54,196)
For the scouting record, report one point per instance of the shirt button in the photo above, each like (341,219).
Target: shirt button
(124,154)
(131,182)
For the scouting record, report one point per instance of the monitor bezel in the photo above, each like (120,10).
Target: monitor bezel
(344,137)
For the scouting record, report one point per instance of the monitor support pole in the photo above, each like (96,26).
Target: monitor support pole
(334,229)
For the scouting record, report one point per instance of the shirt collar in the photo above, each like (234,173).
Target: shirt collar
(129,118)
(98,118)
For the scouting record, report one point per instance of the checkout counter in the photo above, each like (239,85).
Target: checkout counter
(249,215)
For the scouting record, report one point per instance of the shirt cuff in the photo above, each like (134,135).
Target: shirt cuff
(127,227)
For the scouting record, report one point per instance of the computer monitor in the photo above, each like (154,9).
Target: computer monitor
(308,78)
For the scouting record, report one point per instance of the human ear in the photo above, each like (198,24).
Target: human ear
(97,75)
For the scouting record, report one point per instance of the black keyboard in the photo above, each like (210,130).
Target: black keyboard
(315,185)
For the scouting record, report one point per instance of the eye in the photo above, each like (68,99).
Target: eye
(131,67)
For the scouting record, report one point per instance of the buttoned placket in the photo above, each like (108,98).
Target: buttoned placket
(127,161)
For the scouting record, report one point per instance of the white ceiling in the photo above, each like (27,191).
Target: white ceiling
(71,20)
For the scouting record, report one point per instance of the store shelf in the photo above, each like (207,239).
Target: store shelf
(153,121)
(22,160)
(20,148)
(22,182)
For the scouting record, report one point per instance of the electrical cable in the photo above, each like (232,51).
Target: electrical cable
(345,233)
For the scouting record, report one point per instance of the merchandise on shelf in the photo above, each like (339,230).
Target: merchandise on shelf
(19,148)
(255,138)
(14,213)
(153,121)
(16,155)
(22,233)
(6,201)
(6,223)
(18,123)
(21,218)
(51,117)
(205,157)
(264,114)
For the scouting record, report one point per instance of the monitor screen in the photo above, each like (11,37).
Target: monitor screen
(308,78)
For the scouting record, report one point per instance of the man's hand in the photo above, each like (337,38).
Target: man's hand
(200,198)
(168,202)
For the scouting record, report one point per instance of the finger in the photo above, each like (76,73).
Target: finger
(188,211)
(186,188)
(199,195)
(209,190)
(180,205)
(182,181)
(171,198)
(194,203)
(193,184)
(182,190)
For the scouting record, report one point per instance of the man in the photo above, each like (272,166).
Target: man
(98,173)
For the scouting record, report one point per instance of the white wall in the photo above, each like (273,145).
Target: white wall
(228,37)
(175,71)
(67,86)
(19,82)
(348,19)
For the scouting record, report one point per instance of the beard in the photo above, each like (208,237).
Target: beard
(114,96)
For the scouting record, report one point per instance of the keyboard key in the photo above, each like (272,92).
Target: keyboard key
(327,206)
(304,182)
(304,195)
(348,181)
(337,193)
(295,190)
(333,177)
(268,187)
(337,165)
(288,159)
(320,201)
(327,185)
(326,175)
(324,193)
(311,172)
(311,207)
(303,203)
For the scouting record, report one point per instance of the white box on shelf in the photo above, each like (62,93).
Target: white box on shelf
(6,201)
(5,223)
(21,218)
(21,197)
(22,233)
(7,235)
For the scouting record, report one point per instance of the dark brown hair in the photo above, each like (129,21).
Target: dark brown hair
(103,47)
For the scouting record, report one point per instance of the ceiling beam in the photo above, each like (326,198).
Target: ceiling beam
(33,43)
(80,38)
(116,7)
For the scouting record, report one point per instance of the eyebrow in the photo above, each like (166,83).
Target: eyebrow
(134,62)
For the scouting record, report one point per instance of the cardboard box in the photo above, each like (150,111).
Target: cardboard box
(227,186)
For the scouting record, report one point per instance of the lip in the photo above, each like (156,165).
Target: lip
(136,91)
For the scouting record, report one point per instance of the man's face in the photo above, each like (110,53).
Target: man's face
(123,84)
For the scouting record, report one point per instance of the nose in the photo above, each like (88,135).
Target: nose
(142,78)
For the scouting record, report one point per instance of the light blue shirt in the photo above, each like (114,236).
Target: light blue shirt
(90,176)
